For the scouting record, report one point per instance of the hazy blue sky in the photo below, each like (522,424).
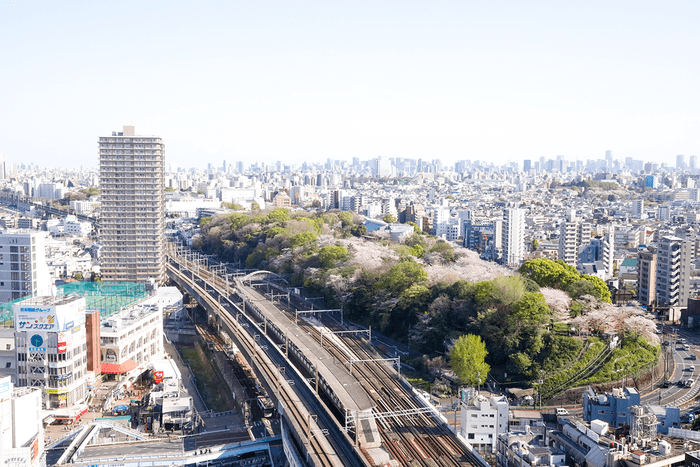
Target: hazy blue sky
(296,81)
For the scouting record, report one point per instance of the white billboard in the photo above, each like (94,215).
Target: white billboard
(53,318)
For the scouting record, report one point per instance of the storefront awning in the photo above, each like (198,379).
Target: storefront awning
(117,368)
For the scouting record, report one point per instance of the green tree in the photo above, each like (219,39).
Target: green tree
(548,273)
(346,218)
(330,255)
(78,276)
(204,221)
(254,206)
(535,243)
(359,230)
(302,239)
(389,218)
(278,215)
(602,292)
(445,250)
(401,276)
(467,359)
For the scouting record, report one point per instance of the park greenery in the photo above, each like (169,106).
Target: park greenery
(421,293)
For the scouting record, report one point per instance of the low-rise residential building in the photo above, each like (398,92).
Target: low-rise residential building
(482,419)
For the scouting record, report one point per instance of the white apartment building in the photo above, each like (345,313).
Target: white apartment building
(133,207)
(572,234)
(482,420)
(513,236)
(673,260)
(440,217)
(51,348)
(85,206)
(23,269)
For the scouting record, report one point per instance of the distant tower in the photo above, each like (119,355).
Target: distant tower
(680,161)
(609,158)
(133,207)
(527,165)
(693,162)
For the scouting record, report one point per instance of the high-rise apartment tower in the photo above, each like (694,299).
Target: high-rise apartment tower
(133,207)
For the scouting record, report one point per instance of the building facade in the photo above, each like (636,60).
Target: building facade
(572,234)
(51,349)
(513,236)
(673,260)
(133,207)
(23,268)
(646,279)
(130,338)
(483,419)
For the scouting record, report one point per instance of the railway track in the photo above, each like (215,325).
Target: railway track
(414,440)
(320,451)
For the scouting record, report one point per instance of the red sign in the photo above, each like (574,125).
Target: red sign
(158,376)
(62,346)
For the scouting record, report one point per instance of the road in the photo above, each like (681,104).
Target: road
(684,368)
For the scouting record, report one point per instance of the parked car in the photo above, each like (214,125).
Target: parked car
(561,411)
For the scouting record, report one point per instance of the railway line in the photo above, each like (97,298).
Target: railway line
(410,432)
(310,427)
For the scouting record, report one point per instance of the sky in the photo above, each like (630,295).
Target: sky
(299,81)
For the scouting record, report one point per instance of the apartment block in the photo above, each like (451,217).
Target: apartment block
(23,268)
(133,207)
(673,260)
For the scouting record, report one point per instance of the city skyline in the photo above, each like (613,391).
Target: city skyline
(263,81)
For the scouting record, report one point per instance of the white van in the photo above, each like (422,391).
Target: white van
(686,347)
(561,411)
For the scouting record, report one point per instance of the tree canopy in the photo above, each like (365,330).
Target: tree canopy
(468,360)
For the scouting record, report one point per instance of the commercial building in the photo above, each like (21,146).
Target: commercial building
(50,348)
(132,337)
(23,268)
(133,207)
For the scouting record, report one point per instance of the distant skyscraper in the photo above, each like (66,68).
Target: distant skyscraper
(693,162)
(527,165)
(3,167)
(133,207)
(513,236)
(680,161)
(609,159)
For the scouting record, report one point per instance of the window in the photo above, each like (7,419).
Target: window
(8,365)
(8,346)
(470,436)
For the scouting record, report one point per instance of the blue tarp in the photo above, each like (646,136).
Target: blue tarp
(120,407)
